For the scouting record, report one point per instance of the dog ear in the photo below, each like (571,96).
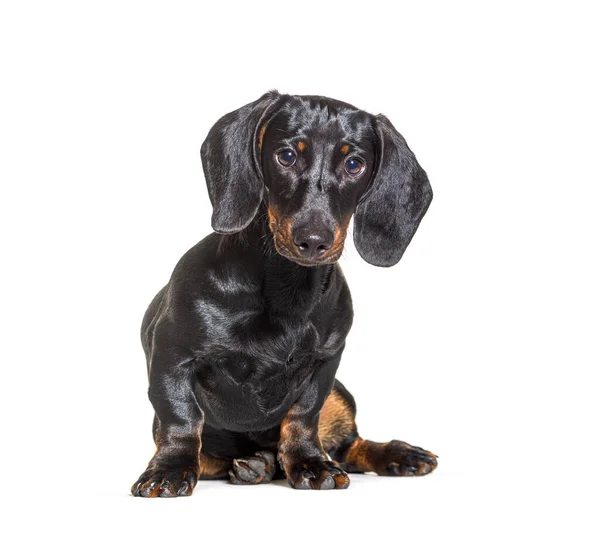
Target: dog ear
(390,211)
(231,162)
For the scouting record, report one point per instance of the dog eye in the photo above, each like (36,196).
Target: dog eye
(286,158)
(354,166)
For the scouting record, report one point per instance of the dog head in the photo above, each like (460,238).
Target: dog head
(315,162)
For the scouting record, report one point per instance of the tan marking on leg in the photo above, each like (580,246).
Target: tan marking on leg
(359,456)
(292,433)
(303,459)
(336,421)
(394,458)
(212,468)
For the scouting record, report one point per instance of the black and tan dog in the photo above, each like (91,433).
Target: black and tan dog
(244,342)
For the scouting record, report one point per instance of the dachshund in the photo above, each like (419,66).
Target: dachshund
(243,343)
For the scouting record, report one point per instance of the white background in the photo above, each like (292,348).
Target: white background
(481,345)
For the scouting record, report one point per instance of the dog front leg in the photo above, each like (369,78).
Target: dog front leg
(173,470)
(300,453)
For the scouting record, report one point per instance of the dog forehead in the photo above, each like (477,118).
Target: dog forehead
(319,117)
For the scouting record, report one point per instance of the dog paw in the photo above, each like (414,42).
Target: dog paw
(257,469)
(402,459)
(165,482)
(317,474)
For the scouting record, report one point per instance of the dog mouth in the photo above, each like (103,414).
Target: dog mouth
(291,253)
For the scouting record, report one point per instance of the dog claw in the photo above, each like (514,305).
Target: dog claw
(321,475)
(172,482)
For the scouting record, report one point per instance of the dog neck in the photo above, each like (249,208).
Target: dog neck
(288,288)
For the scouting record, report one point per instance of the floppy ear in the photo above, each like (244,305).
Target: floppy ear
(230,159)
(389,213)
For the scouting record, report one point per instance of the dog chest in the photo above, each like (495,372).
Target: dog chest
(251,387)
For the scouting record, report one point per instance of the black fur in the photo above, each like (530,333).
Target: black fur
(387,217)
(231,167)
(250,325)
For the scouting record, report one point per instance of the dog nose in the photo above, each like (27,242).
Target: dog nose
(312,243)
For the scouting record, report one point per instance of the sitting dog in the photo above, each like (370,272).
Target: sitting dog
(243,343)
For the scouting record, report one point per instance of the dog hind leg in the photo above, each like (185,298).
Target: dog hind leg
(257,469)
(339,436)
